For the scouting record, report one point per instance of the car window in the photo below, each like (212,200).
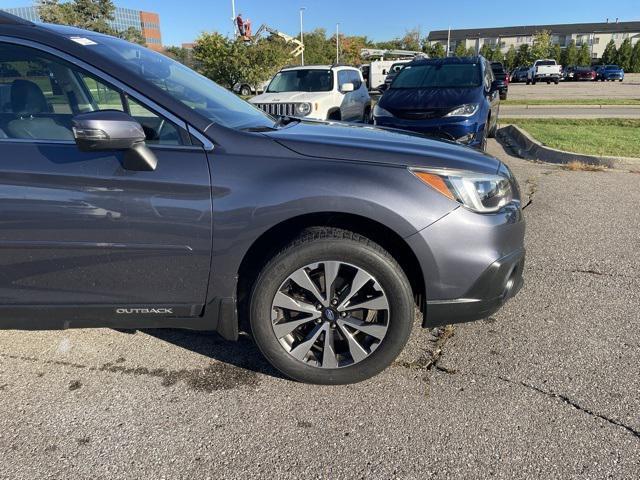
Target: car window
(40,94)
(355,79)
(304,80)
(439,75)
(344,76)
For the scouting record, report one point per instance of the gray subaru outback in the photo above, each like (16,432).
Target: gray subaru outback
(136,193)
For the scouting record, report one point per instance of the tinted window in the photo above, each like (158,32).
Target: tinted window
(40,94)
(437,75)
(613,67)
(183,84)
(545,62)
(302,81)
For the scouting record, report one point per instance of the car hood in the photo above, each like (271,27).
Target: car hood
(289,97)
(341,141)
(428,98)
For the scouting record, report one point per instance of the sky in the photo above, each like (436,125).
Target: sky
(183,20)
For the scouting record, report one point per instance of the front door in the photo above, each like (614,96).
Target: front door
(77,229)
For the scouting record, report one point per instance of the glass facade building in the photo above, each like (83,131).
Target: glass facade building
(147,23)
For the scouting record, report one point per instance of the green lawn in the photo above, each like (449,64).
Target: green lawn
(606,136)
(573,101)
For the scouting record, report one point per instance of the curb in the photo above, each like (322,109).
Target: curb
(568,107)
(527,147)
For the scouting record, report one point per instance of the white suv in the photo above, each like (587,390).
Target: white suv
(321,92)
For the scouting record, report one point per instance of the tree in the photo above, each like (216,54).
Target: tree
(569,55)
(412,40)
(471,52)
(486,51)
(524,56)
(541,45)
(182,55)
(437,50)
(461,49)
(610,53)
(318,49)
(228,62)
(511,58)
(584,56)
(94,15)
(556,53)
(635,59)
(624,55)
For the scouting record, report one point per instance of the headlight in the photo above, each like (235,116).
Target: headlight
(466,110)
(482,193)
(378,111)
(303,109)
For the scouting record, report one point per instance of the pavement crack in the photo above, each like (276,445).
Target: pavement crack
(570,402)
(429,360)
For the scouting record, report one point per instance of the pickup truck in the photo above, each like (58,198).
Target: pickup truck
(546,70)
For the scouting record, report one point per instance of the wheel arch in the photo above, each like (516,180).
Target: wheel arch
(278,236)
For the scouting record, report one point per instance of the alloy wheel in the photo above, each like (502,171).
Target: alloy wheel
(330,314)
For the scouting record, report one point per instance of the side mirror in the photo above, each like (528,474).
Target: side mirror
(111,131)
(347,87)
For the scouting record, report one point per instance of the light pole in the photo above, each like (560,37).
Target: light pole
(337,43)
(302,32)
(233,16)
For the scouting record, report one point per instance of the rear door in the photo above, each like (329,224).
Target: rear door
(77,228)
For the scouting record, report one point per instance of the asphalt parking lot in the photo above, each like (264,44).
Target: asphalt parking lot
(630,88)
(548,388)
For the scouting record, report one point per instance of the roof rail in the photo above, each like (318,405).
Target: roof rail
(7,18)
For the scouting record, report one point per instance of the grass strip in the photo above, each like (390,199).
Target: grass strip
(601,137)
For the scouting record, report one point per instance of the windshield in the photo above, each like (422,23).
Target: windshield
(545,63)
(302,81)
(435,75)
(613,67)
(192,89)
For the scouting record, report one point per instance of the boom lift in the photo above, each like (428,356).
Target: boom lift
(299,46)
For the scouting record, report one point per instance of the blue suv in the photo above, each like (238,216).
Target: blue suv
(452,98)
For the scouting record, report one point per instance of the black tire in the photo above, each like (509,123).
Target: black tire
(335,115)
(324,244)
(533,82)
(366,117)
(245,91)
(556,82)
(528,82)
(503,96)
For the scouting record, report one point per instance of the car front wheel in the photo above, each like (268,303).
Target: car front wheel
(331,308)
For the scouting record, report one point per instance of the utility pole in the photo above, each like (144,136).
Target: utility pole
(302,32)
(448,42)
(337,43)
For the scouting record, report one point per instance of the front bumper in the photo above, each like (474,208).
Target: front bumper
(500,282)
(450,129)
(471,264)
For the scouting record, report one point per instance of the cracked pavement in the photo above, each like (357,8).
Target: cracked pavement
(547,388)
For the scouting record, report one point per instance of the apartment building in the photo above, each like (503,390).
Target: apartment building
(596,35)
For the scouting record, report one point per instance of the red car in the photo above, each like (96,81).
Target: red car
(584,73)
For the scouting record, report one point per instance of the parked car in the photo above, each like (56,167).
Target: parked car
(568,73)
(320,238)
(584,73)
(502,77)
(321,92)
(519,74)
(611,73)
(546,70)
(245,89)
(452,98)
(393,72)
